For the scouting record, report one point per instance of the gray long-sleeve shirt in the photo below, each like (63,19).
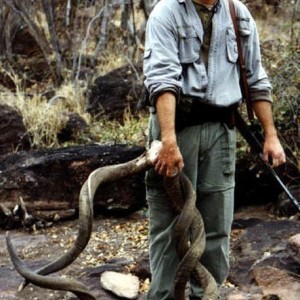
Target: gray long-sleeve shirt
(172,58)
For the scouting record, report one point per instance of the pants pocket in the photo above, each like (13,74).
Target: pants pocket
(228,150)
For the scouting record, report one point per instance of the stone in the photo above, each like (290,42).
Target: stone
(49,180)
(293,247)
(142,267)
(14,136)
(75,127)
(276,282)
(262,243)
(122,285)
(284,206)
(116,92)
(237,296)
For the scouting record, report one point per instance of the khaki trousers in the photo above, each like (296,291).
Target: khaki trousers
(209,156)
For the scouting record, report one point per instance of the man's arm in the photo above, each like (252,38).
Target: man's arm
(169,159)
(272,145)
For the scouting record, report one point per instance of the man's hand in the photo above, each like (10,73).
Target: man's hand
(169,161)
(272,147)
(273,151)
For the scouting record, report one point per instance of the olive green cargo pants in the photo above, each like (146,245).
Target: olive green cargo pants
(209,156)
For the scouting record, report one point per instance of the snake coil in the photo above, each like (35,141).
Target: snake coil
(189,224)
(189,236)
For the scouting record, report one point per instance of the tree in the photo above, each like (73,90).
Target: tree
(70,36)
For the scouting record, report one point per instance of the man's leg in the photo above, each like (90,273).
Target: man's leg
(196,144)
(163,256)
(215,198)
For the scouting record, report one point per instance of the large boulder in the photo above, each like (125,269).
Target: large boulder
(49,181)
(13,133)
(116,92)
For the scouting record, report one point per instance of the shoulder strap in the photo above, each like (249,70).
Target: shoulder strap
(243,83)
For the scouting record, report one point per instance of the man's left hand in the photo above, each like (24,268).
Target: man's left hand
(273,151)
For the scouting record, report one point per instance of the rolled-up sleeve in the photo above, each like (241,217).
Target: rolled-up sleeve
(259,84)
(162,69)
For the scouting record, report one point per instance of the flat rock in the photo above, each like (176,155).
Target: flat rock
(293,247)
(277,282)
(262,244)
(237,295)
(122,285)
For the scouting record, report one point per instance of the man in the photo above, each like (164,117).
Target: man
(192,76)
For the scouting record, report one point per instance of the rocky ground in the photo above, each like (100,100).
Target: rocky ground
(261,267)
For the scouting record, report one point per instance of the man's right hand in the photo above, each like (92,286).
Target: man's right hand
(169,161)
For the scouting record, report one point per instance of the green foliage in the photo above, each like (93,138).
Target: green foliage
(132,131)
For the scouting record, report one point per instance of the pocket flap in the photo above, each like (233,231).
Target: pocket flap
(147,53)
(244,26)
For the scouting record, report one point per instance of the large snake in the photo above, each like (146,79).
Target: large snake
(189,223)
(189,236)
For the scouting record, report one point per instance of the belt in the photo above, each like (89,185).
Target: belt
(191,112)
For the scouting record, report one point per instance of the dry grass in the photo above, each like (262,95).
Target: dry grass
(43,119)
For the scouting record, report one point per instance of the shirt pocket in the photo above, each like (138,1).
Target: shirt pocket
(189,45)
(244,26)
(231,45)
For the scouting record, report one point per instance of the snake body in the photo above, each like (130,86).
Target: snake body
(189,236)
(189,233)
(97,178)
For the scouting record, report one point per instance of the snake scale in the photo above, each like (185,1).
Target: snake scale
(189,233)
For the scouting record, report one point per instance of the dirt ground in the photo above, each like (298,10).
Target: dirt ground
(117,241)
(112,238)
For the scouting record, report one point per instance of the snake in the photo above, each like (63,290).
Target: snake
(98,177)
(188,234)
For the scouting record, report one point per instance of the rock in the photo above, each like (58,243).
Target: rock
(277,283)
(115,265)
(142,267)
(293,247)
(238,296)
(115,92)
(260,246)
(13,131)
(74,128)
(284,206)
(50,179)
(122,285)
(270,297)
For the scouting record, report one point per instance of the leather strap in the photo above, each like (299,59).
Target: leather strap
(243,82)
